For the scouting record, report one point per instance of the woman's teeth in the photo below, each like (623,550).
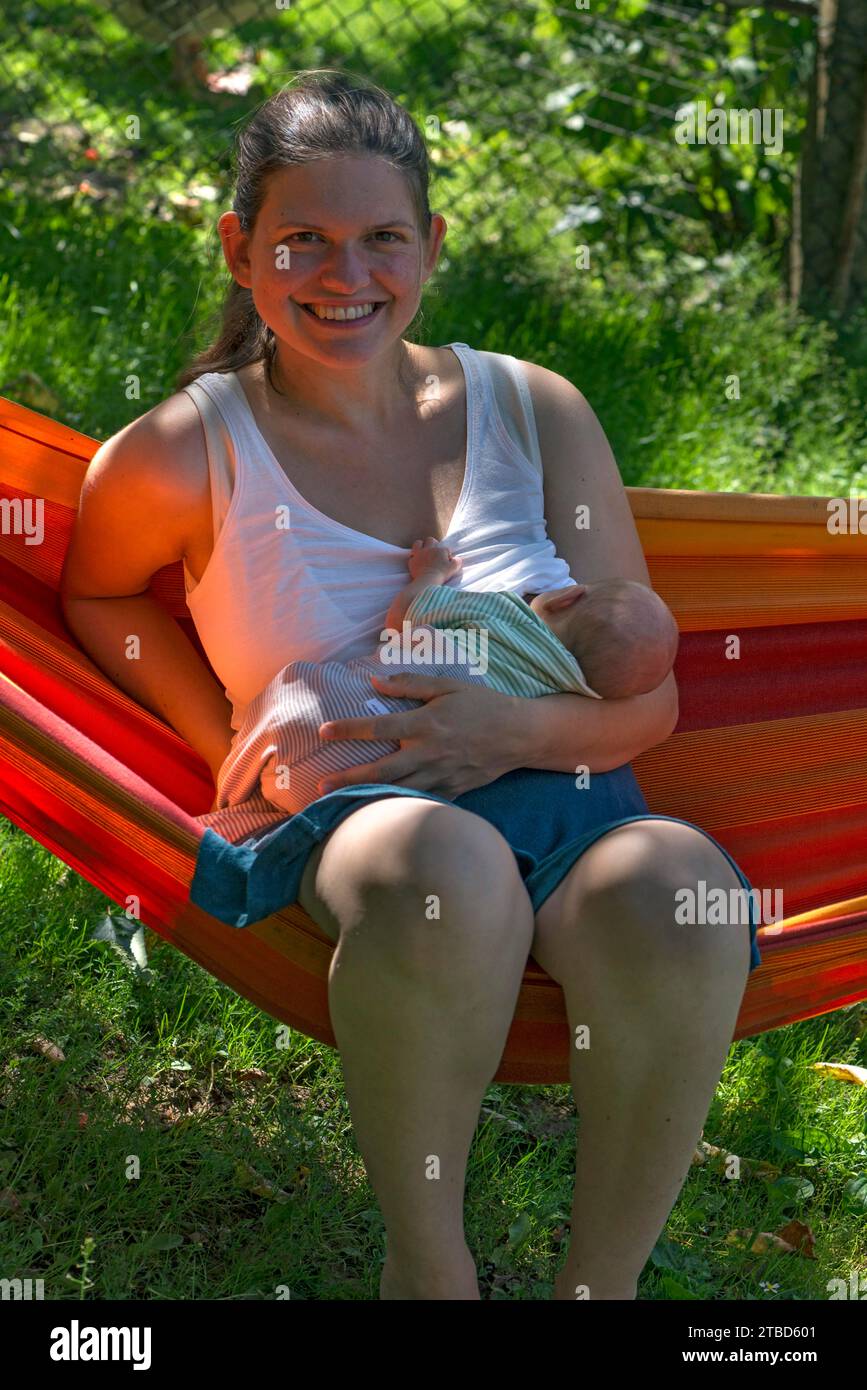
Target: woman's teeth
(354,311)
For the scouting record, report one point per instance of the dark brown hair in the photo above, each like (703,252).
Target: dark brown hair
(321,113)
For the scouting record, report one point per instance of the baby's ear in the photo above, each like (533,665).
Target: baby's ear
(563,598)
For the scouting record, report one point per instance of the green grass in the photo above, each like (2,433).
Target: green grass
(173,1070)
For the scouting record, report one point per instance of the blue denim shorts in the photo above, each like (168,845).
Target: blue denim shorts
(546,820)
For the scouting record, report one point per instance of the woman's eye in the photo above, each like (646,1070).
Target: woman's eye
(384,232)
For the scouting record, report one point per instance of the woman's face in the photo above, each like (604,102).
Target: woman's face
(340,232)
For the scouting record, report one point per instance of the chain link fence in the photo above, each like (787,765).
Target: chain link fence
(552,130)
(542,118)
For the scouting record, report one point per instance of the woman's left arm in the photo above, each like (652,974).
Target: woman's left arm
(591,526)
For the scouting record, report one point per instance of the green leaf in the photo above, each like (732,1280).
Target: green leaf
(165,1240)
(677,1291)
(160,1240)
(855,1193)
(665,1255)
(127,938)
(791,1189)
(668,1255)
(519,1229)
(250,1180)
(801,1141)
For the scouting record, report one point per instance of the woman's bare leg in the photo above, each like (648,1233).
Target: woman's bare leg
(661,1002)
(433,925)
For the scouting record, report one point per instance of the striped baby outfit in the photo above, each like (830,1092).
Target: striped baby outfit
(523,655)
(278,752)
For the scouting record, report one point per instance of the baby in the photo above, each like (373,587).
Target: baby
(621,634)
(607,640)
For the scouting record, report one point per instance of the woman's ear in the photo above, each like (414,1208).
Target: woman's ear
(235,247)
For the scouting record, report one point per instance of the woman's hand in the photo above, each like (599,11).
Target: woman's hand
(464,736)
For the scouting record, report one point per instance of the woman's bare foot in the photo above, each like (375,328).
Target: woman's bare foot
(460,1281)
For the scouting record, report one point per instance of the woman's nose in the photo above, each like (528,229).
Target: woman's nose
(345,267)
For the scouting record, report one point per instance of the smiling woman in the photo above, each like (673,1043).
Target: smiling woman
(298,235)
(305,453)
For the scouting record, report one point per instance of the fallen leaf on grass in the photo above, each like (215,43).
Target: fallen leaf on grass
(718,1160)
(843,1071)
(762,1243)
(795,1238)
(704,1151)
(126,936)
(798,1234)
(251,1181)
(758,1168)
(48,1049)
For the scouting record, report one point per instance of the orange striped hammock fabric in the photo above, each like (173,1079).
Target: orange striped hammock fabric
(769,755)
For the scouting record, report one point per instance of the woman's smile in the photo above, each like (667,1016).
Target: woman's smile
(358,320)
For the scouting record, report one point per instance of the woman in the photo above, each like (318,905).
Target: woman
(437,869)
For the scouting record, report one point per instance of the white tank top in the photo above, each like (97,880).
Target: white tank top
(285,582)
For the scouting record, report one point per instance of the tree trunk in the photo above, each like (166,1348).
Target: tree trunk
(833,175)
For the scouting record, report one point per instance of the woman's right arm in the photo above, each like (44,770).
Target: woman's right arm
(143,493)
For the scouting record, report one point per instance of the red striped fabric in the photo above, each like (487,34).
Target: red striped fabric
(770,753)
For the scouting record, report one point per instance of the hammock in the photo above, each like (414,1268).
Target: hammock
(769,755)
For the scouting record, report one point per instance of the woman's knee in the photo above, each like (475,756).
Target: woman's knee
(417,862)
(655,859)
(638,887)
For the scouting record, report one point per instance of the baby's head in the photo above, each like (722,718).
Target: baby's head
(621,633)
